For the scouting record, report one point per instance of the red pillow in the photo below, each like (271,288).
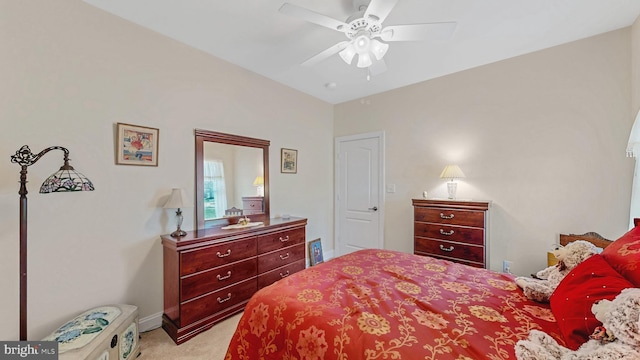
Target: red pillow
(592,280)
(624,255)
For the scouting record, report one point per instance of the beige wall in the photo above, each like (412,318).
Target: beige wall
(543,136)
(69,73)
(635,67)
(540,135)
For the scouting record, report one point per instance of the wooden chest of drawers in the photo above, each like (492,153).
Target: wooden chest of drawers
(210,274)
(451,229)
(252,205)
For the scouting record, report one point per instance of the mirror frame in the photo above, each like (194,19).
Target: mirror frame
(203,136)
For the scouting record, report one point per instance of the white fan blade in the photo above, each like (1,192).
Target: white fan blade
(313,17)
(379,9)
(326,54)
(417,32)
(378,67)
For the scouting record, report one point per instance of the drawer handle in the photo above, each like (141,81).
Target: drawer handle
(220,301)
(448,233)
(224,277)
(447,217)
(449,249)
(285,239)
(284,257)
(284,275)
(220,255)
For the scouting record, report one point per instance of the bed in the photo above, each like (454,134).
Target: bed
(380,304)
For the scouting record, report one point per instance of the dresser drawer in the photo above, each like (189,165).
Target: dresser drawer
(448,249)
(255,205)
(279,240)
(272,276)
(450,233)
(200,308)
(276,259)
(217,278)
(449,216)
(204,258)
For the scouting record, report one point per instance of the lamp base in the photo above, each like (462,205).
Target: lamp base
(451,188)
(178,233)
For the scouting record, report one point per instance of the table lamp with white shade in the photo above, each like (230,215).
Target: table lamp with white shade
(452,172)
(177,200)
(259,184)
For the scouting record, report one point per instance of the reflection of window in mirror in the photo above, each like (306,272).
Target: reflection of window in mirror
(229,174)
(215,194)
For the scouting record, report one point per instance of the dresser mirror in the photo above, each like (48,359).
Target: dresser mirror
(232,178)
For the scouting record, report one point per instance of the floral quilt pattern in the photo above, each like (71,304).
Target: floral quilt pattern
(380,304)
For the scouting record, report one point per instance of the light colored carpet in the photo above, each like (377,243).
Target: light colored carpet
(211,344)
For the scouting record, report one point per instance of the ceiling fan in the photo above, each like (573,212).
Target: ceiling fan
(366,37)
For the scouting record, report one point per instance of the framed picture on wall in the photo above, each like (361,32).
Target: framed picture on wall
(315,252)
(289,161)
(136,145)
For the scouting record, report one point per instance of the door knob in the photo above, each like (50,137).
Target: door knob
(375,208)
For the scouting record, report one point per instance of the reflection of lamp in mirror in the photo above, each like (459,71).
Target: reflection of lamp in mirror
(177,200)
(452,172)
(259,184)
(64,180)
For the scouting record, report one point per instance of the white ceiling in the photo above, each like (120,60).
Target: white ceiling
(255,36)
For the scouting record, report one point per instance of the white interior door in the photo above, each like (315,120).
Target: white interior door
(359,196)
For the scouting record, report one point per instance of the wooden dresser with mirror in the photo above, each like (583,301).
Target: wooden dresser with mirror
(211,273)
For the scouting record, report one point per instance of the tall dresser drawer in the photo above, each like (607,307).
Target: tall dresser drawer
(455,230)
(279,240)
(449,216)
(276,259)
(272,276)
(216,255)
(215,302)
(217,278)
(449,250)
(450,233)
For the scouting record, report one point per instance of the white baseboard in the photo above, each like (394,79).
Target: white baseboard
(150,322)
(329,255)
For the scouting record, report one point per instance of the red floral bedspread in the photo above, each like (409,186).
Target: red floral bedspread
(379,304)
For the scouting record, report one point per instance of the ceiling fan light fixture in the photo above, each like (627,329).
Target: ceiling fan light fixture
(347,54)
(362,44)
(364,60)
(379,49)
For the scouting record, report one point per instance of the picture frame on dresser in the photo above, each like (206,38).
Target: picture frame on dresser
(136,145)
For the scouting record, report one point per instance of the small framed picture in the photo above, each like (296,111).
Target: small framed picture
(136,145)
(315,252)
(289,158)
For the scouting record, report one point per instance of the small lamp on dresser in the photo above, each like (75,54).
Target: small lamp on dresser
(452,172)
(177,200)
(259,184)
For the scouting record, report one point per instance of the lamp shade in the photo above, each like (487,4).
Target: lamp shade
(451,172)
(66,179)
(177,199)
(258,181)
